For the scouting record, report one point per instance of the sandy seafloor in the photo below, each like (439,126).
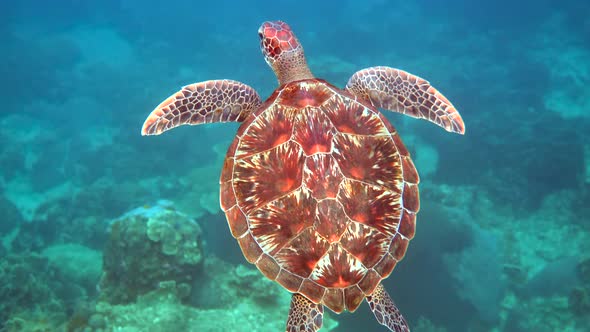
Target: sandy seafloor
(504,230)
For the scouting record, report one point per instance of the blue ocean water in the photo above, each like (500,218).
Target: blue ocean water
(103,229)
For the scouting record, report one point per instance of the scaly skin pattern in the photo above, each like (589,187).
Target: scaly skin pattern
(204,102)
(400,91)
(283,52)
(320,193)
(304,315)
(385,310)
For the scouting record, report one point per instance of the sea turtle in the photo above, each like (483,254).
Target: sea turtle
(317,186)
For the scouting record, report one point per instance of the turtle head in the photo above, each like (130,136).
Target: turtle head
(283,52)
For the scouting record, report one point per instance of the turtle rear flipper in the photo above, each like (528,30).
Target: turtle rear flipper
(304,315)
(399,91)
(385,310)
(204,102)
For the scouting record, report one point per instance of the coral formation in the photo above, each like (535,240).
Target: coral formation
(162,310)
(579,297)
(30,286)
(566,62)
(149,245)
(79,264)
(476,266)
(11,217)
(223,283)
(425,325)
(579,301)
(556,278)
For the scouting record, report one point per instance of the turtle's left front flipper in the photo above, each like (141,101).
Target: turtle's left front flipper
(204,102)
(304,315)
(399,91)
(385,310)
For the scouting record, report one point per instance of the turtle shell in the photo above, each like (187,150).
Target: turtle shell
(320,193)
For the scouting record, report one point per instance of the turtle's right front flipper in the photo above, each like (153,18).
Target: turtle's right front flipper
(204,102)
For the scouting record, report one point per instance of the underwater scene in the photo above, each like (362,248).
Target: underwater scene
(106,226)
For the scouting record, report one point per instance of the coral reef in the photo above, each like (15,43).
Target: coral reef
(425,325)
(556,278)
(535,279)
(477,271)
(579,301)
(162,310)
(34,236)
(149,245)
(79,264)
(31,284)
(566,61)
(223,283)
(11,217)
(247,302)
(579,297)
(39,292)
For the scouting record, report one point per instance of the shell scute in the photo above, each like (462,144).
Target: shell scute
(302,254)
(373,206)
(331,220)
(365,243)
(250,248)
(353,296)
(407,225)
(279,222)
(385,266)
(313,131)
(334,299)
(398,247)
(338,268)
(238,224)
(227,170)
(411,197)
(268,175)
(322,176)
(268,131)
(312,290)
(304,94)
(268,266)
(371,159)
(227,196)
(369,282)
(353,118)
(289,280)
(410,172)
